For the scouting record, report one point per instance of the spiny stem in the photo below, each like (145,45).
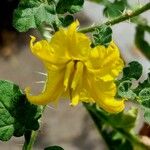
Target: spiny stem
(119,19)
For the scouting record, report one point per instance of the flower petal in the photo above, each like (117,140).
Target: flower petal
(52,90)
(111,105)
(105,62)
(103,93)
(70,43)
(45,52)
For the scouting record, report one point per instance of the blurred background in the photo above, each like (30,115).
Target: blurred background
(71,128)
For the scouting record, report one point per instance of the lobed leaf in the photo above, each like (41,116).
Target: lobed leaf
(144,94)
(16,114)
(35,13)
(124,90)
(140,41)
(124,85)
(133,70)
(32,13)
(71,6)
(102,36)
(147,115)
(115,9)
(66,21)
(144,84)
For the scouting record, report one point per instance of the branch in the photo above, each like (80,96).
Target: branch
(119,19)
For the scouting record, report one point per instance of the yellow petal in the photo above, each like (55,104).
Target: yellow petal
(85,94)
(111,105)
(73,27)
(103,93)
(52,90)
(105,62)
(47,53)
(71,44)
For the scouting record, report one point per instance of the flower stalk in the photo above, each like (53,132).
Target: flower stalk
(28,144)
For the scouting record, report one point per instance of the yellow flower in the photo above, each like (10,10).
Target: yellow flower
(78,71)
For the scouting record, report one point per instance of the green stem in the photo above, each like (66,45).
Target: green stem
(30,136)
(100,118)
(29,144)
(123,17)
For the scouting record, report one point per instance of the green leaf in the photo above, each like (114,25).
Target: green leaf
(146,103)
(32,13)
(143,85)
(124,90)
(102,36)
(147,115)
(144,97)
(36,13)
(54,148)
(124,85)
(141,93)
(71,6)
(133,70)
(66,21)
(16,114)
(144,94)
(115,9)
(140,42)
(31,114)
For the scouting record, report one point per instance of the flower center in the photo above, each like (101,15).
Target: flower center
(73,74)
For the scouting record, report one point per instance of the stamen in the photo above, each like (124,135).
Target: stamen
(69,70)
(77,75)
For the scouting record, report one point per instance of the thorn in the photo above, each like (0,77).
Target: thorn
(129,12)
(124,11)
(42,73)
(48,29)
(109,18)
(139,3)
(50,107)
(129,21)
(120,12)
(40,82)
